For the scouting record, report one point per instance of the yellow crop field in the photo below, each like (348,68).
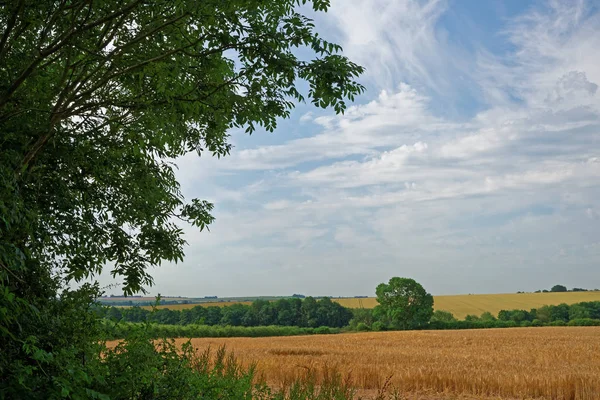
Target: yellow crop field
(462,305)
(521,363)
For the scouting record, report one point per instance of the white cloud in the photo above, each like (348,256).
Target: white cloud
(396,187)
(399,40)
(363,129)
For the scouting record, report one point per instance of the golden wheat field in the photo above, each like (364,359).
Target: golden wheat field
(521,363)
(459,305)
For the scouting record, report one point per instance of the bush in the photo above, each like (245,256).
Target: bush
(362,327)
(378,326)
(444,316)
(584,322)
(166,371)
(323,330)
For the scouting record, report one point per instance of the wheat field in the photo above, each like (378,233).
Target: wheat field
(521,363)
(459,305)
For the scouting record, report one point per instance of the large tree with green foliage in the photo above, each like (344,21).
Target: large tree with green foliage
(404,303)
(97,98)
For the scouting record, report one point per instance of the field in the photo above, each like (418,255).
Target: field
(462,305)
(459,305)
(522,363)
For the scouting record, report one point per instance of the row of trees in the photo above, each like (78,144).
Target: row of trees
(579,314)
(562,289)
(403,304)
(307,312)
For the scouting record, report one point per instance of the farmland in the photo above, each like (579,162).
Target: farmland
(459,305)
(553,363)
(462,305)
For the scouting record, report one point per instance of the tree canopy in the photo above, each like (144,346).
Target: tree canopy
(98,98)
(558,288)
(404,303)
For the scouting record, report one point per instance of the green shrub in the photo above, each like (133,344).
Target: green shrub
(362,327)
(558,323)
(378,326)
(322,330)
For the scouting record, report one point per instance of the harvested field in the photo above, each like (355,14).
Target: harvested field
(521,363)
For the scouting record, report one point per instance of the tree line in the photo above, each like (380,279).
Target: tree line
(304,313)
(579,314)
(403,304)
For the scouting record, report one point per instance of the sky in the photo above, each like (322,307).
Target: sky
(471,164)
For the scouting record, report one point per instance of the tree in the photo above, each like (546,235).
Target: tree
(487,316)
(442,316)
(405,303)
(558,288)
(96,100)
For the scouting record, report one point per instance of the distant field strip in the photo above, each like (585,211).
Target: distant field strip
(459,305)
(523,363)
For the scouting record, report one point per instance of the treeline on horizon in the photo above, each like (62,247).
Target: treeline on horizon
(578,314)
(304,313)
(288,317)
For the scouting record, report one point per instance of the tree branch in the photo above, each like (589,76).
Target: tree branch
(9,27)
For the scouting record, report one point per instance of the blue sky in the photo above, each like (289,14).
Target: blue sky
(472,163)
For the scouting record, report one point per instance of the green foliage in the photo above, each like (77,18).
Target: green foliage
(487,316)
(124,329)
(378,326)
(558,288)
(96,100)
(471,318)
(404,303)
(444,316)
(579,314)
(362,327)
(284,312)
(361,317)
(97,97)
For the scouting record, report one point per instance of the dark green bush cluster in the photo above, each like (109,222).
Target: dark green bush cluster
(308,313)
(579,314)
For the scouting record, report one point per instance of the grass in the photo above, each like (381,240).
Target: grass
(459,305)
(525,363)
